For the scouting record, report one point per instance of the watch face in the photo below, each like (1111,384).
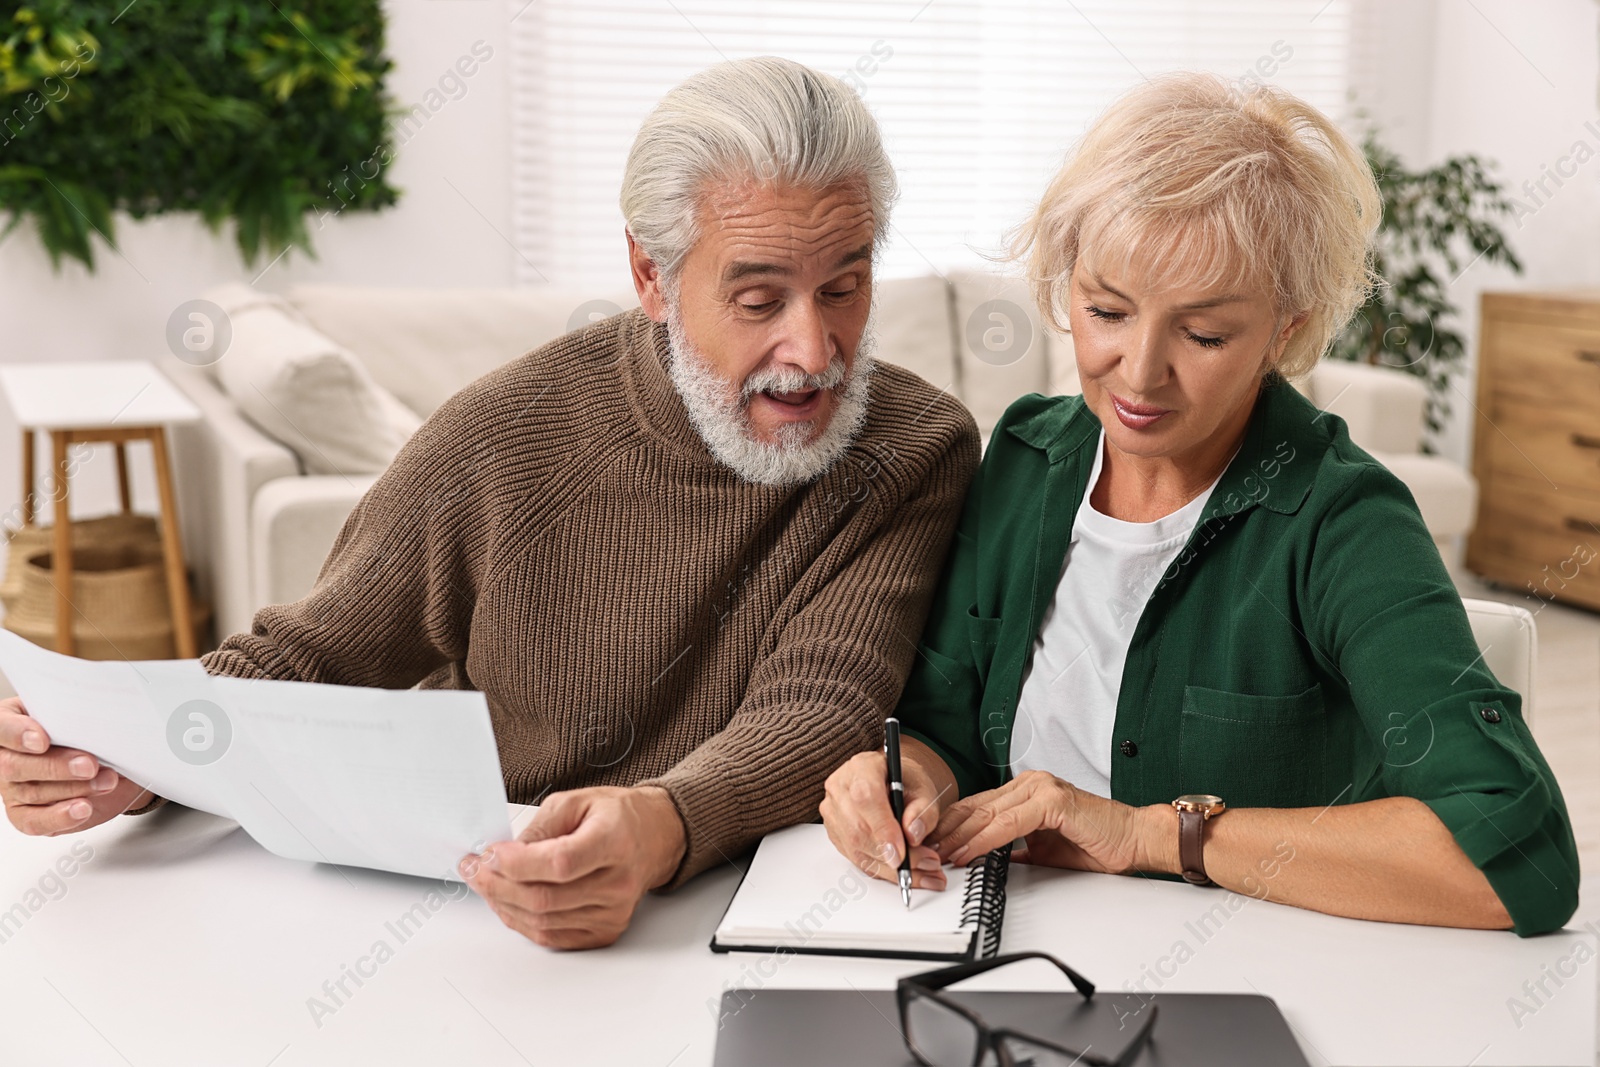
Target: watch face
(1201,802)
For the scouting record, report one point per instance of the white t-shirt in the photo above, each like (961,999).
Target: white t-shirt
(1068,704)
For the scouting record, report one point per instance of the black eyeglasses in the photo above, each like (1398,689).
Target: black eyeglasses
(940,1032)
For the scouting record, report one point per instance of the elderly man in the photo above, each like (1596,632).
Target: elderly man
(685,552)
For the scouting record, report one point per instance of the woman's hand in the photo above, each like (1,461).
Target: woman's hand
(861,824)
(1063,826)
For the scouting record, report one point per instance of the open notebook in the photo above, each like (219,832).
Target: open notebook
(800,895)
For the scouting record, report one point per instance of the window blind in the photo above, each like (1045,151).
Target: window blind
(978,99)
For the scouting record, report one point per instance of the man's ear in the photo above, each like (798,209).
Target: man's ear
(646,281)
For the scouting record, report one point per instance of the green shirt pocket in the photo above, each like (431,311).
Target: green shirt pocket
(984,635)
(1253,751)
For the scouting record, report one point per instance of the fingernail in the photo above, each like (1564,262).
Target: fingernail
(928,863)
(887,851)
(468,867)
(491,860)
(82,766)
(78,809)
(105,781)
(959,856)
(33,742)
(916,830)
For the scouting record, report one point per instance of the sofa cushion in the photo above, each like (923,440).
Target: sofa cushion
(1445,493)
(308,392)
(1002,351)
(426,344)
(1383,408)
(911,317)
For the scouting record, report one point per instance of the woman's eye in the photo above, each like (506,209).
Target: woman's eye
(1102,313)
(839,294)
(1207,342)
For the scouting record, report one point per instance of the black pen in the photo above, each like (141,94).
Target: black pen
(897,800)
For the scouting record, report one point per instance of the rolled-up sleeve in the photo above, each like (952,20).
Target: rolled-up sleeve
(1391,622)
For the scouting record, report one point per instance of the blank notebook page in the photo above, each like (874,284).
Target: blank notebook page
(800,892)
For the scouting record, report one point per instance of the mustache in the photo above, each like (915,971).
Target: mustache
(792,380)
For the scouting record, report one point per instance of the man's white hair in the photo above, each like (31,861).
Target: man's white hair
(762,119)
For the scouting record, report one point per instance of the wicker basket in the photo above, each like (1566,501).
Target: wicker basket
(120,597)
(105,531)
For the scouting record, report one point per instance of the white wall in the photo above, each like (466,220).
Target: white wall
(1513,82)
(453,174)
(1516,81)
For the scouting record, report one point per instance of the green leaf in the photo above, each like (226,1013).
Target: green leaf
(1436,223)
(231,110)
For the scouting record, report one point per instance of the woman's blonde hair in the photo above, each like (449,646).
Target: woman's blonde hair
(1252,188)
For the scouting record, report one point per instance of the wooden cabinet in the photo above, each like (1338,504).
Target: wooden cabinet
(1536,447)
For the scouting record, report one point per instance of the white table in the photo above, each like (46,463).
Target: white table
(111,401)
(179,941)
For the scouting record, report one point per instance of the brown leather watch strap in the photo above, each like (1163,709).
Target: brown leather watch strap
(1191,847)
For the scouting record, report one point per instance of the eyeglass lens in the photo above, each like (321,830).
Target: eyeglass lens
(943,1037)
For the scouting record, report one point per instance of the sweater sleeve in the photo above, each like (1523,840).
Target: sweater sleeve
(1391,622)
(394,598)
(835,672)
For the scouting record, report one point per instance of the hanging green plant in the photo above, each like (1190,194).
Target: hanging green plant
(247,112)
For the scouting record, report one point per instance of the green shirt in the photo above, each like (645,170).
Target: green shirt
(1306,648)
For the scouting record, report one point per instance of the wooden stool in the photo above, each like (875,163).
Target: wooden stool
(90,403)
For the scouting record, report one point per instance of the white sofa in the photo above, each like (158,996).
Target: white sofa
(258,528)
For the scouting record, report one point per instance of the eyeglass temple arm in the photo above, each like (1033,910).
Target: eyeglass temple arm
(948,976)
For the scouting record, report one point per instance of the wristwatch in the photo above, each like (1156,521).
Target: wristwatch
(1193,811)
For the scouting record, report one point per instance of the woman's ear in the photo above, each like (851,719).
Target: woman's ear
(1281,341)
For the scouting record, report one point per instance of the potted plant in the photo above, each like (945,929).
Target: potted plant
(1437,223)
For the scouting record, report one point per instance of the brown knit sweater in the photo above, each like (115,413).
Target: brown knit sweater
(557,536)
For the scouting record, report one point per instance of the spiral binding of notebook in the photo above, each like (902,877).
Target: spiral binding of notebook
(984,905)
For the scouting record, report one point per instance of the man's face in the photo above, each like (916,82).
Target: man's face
(774,297)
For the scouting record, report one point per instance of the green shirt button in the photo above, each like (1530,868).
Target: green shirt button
(1129,748)
(1489,714)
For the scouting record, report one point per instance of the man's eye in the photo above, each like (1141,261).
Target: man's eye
(839,294)
(759,309)
(1102,313)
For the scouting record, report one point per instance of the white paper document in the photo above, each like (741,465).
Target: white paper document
(402,780)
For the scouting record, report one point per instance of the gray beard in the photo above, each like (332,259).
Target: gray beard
(719,410)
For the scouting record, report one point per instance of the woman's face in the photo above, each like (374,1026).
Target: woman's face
(1170,370)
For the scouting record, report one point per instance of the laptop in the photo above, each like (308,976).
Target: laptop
(830,1027)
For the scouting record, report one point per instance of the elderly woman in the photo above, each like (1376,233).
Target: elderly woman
(1187,627)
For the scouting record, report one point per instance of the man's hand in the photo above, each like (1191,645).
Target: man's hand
(579,869)
(51,790)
